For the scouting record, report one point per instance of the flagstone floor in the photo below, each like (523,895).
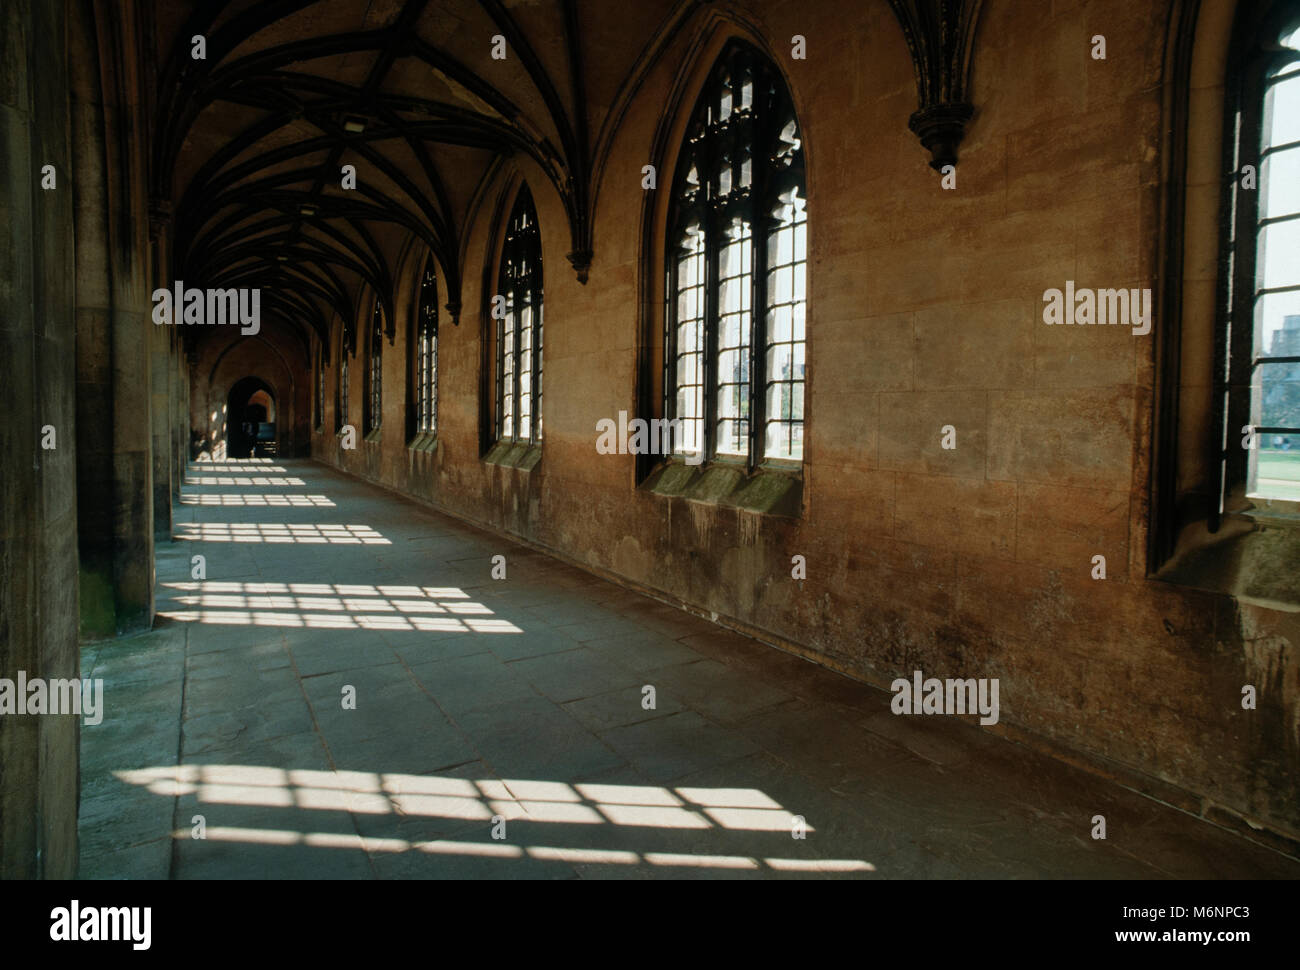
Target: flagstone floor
(350,693)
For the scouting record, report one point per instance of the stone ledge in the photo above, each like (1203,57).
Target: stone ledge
(1255,558)
(424,441)
(769,491)
(514,454)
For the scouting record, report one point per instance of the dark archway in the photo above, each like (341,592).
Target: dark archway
(250,418)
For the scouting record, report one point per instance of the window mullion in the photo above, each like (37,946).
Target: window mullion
(515,344)
(525,295)
(513,318)
(508,329)
(711,324)
(532,352)
(1241,321)
(757,335)
(524,287)
(672,288)
(501,359)
(712,230)
(760,206)
(535,340)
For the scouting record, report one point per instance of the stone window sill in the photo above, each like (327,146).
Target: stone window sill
(769,491)
(515,454)
(1254,556)
(1278,511)
(424,441)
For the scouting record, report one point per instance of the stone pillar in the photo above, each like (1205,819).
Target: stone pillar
(160,366)
(180,416)
(115,441)
(38,498)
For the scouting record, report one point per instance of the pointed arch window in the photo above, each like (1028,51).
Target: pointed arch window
(1259,364)
(1225,490)
(341,409)
(519,331)
(737,251)
(426,352)
(375,370)
(319,396)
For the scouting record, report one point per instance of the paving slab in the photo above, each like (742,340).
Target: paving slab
(496,728)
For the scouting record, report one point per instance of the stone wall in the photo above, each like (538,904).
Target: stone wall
(224,358)
(924,310)
(38,497)
(90,388)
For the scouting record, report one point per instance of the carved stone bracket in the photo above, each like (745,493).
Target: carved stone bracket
(160,217)
(940,35)
(581,260)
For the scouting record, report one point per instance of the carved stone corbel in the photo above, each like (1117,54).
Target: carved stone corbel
(940,35)
(581,260)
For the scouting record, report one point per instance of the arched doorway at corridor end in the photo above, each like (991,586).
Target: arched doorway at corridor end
(250,419)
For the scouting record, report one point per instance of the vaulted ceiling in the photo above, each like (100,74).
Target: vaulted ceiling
(251,139)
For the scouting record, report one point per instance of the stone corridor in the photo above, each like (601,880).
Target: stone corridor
(520,700)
